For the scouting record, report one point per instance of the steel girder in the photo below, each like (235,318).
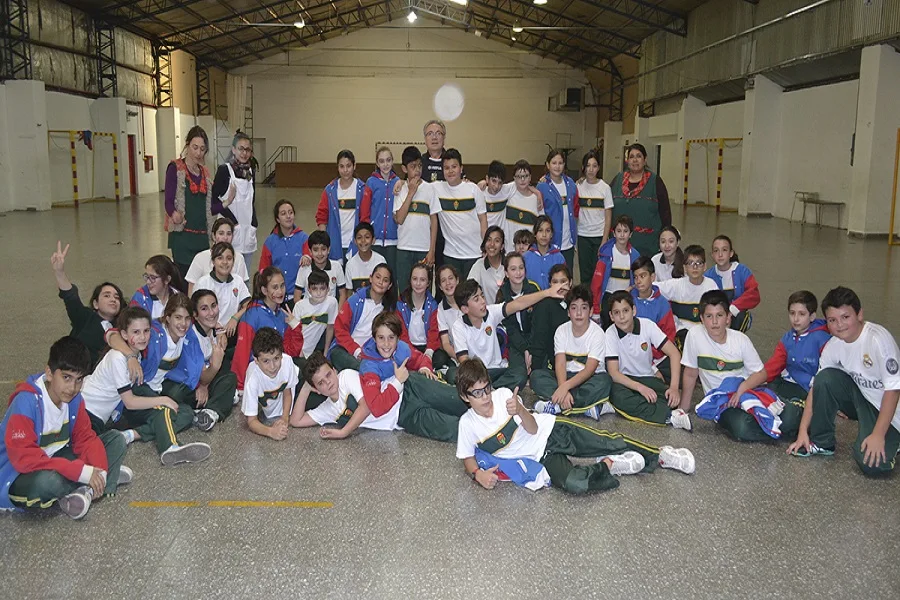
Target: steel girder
(107,75)
(644,13)
(16,45)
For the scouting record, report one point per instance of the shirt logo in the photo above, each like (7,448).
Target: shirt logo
(489,330)
(892,366)
(456,204)
(696,312)
(501,438)
(867,361)
(18,435)
(343,203)
(235,292)
(644,346)
(589,201)
(720,365)
(521,215)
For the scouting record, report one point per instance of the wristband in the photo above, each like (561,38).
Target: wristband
(233,318)
(473,473)
(133,355)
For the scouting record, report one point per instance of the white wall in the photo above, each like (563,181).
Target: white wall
(143,127)
(817,127)
(65,112)
(334,96)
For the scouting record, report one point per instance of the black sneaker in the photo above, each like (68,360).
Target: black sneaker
(205,419)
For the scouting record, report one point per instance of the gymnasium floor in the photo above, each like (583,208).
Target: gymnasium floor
(401,520)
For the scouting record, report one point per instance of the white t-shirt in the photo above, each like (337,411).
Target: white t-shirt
(205,343)
(460,207)
(489,278)
(566,231)
(418,334)
(202,265)
(634,350)
(684,297)
(621,265)
(447,316)
(871,361)
(502,431)
(350,386)
(229,294)
(260,390)
(592,344)
(663,270)
(56,421)
(363,330)
(357,272)
(333,270)
(315,319)
(521,213)
(102,387)
(168,362)
(716,362)
(727,276)
(347,212)
(414,234)
(480,342)
(593,199)
(496,205)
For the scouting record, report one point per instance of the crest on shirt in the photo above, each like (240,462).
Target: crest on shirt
(521,215)
(589,201)
(235,292)
(720,364)
(696,312)
(455,204)
(644,346)
(501,438)
(892,366)
(347,413)
(489,330)
(343,202)
(867,361)
(333,279)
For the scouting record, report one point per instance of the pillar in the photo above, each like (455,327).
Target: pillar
(168,140)
(108,116)
(762,148)
(28,154)
(612,150)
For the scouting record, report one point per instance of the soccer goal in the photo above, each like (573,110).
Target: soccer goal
(712,173)
(84,164)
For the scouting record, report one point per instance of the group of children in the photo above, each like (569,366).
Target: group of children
(324,339)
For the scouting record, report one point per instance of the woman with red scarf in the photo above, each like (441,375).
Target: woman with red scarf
(641,195)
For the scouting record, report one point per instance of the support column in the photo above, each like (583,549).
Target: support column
(111,155)
(642,135)
(29,157)
(762,148)
(692,125)
(612,150)
(877,120)
(168,140)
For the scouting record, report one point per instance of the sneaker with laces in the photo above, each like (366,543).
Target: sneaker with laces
(186,453)
(238,397)
(543,406)
(680,420)
(77,504)
(126,475)
(129,436)
(680,459)
(627,463)
(598,410)
(205,419)
(814,450)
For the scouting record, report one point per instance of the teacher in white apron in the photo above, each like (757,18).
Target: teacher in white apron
(235,185)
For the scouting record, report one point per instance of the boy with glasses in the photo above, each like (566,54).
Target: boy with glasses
(684,293)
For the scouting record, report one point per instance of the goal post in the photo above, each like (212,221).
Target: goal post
(81,165)
(712,148)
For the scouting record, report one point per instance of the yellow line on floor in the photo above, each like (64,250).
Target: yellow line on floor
(268,504)
(164,504)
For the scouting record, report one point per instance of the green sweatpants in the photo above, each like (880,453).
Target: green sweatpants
(573,438)
(634,407)
(390,257)
(741,322)
(406,260)
(341,359)
(160,424)
(513,376)
(588,253)
(592,392)
(463,265)
(221,394)
(43,488)
(440,359)
(834,390)
(787,390)
(430,409)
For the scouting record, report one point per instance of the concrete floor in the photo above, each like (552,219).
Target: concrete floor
(403,521)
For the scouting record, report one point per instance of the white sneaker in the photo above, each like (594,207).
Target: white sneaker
(188,453)
(680,420)
(607,409)
(77,504)
(543,406)
(238,397)
(129,435)
(679,459)
(776,408)
(126,475)
(205,419)
(598,410)
(627,463)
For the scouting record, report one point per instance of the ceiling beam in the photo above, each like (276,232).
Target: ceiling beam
(643,13)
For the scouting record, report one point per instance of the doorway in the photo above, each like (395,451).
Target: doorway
(132,165)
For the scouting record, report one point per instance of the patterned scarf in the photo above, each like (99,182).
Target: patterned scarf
(633,193)
(205,186)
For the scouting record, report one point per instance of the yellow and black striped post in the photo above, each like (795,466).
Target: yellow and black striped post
(74,167)
(687,157)
(719,175)
(116,165)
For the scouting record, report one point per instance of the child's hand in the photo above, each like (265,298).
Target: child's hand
(279,430)
(487,478)
(97,483)
(873,450)
(562,398)
(168,403)
(397,187)
(649,394)
(401,372)
(231,327)
(305,261)
(558,290)
(429,259)
(673,397)
(427,373)
(135,371)
(332,433)
(412,185)
(513,404)
(801,443)
(58,258)
(218,348)
(201,395)
(177,217)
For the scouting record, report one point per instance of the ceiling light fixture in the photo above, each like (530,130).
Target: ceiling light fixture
(513,38)
(517,28)
(411,17)
(299,24)
(460,2)
(540,2)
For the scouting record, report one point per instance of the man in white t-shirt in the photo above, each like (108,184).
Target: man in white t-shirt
(416,210)
(499,435)
(716,353)
(859,375)
(463,212)
(578,383)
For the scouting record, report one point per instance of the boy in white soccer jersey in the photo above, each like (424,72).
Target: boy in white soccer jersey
(416,211)
(525,205)
(269,387)
(316,312)
(499,435)
(463,212)
(684,293)
(475,332)
(320,247)
(360,266)
(859,375)
(637,393)
(578,383)
(497,194)
(716,353)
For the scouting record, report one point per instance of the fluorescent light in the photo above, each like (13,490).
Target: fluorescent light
(460,2)
(513,38)
(517,29)
(540,2)
(411,17)
(299,24)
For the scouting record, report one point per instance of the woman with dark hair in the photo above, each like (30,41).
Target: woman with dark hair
(235,187)
(189,201)
(643,196)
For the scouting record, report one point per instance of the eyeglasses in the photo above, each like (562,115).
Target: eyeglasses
(480,392)
(695,263)
(523,176)
(244,149)
(429,134)
(151,278)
